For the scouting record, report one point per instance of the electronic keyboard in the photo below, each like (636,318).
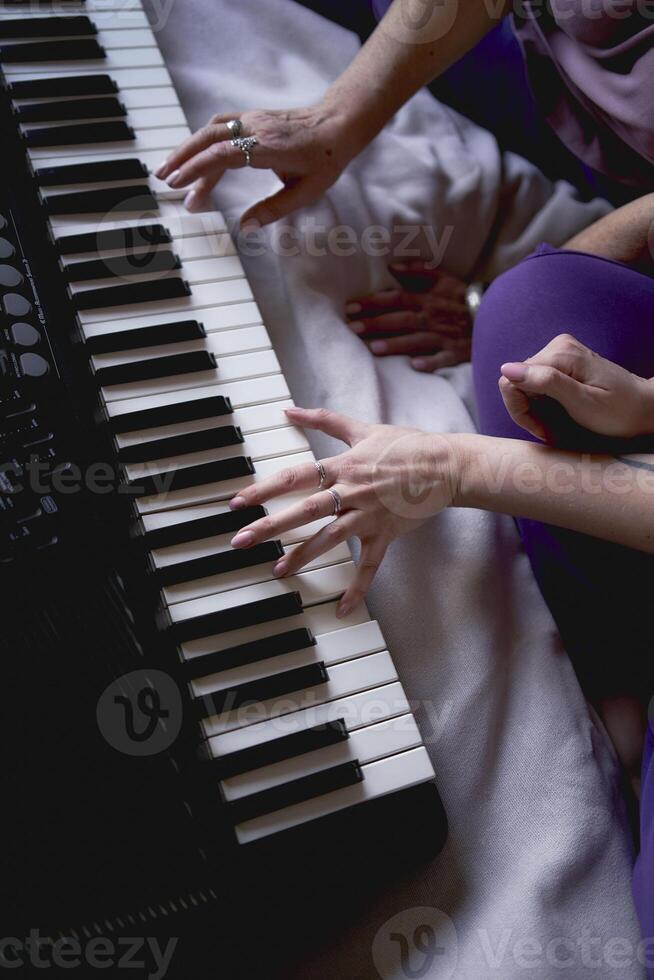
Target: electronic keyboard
(134,357)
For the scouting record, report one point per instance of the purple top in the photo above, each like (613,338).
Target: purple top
(591,67)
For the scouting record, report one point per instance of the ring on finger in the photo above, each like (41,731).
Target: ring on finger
(246,144)
(322,476)
(235,127)
(338,502)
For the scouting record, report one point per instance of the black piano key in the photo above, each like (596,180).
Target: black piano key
(90,173)
(85,133)
(263,689)
(280,749)
(136,198)
(62,87)
(20,27)
(76,50)
(188,442)
(161,333)
(131,294)
(156,367)
(238,617)
(190,411)
(114,239)
(218,564)
(120,267)
(192,476)
(249,653)
(297,791)
(109,108)
(204,527)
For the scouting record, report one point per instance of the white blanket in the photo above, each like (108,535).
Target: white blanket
(535,878)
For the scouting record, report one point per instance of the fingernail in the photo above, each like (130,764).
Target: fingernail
(344,609)
(279,569)
(161,169)
(191,201)
(399,266)
(353,308)
(357,326)
(514,371)
(379,347)
(236,503)
(418,364)
(242,539)
(173,179)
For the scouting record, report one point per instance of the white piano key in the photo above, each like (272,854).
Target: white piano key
(195,272)
(121,38)
(249,420)
(319,619)
(205,294)
(125,78)
(197,247)
(381,778)
(226,343)
(364,745)
(344,679)
(136,98)
(106,20)
(358,711)
(331,649)
(145,57)
(243,577)
(259,391)
(159,188)
(217,491)
(314,587)
(164,139)
(68,7)
(236,368)
(179,222)
(234,316)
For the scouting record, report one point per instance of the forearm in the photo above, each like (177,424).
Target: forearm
(413,44)
(625,235)
(601,496)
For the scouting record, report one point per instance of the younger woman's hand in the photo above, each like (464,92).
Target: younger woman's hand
(390,480)
(595,392)
(425,319)
(306,148)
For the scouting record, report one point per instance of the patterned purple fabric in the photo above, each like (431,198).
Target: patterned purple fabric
(591,66)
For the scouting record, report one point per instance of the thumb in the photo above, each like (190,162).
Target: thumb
(332,423)
(542,379)
(295,194)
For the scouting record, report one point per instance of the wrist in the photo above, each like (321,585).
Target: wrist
(353,122)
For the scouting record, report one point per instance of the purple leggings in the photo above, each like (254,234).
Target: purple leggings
(599,593)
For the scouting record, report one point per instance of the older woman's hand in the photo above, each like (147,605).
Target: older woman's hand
(389,482)
(595,392)
(307,149)
(426,319)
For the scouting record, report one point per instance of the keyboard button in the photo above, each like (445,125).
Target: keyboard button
(219,564)
(237,617)
(25,335)
(265,648)
(137,198)
(187,477)
(161,333)
(10,277)
(7,250)
(16,305)
(190,442)
(120,268)
(33,365)
(24,27)
(280,749)
(170,414)
(156,367)
(124,239)
(264,689)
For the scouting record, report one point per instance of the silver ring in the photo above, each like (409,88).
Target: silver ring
(247,144)
(473,297)
(338,503)
(235,126)
(321,475)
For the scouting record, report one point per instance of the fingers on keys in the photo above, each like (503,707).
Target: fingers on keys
(314,508)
